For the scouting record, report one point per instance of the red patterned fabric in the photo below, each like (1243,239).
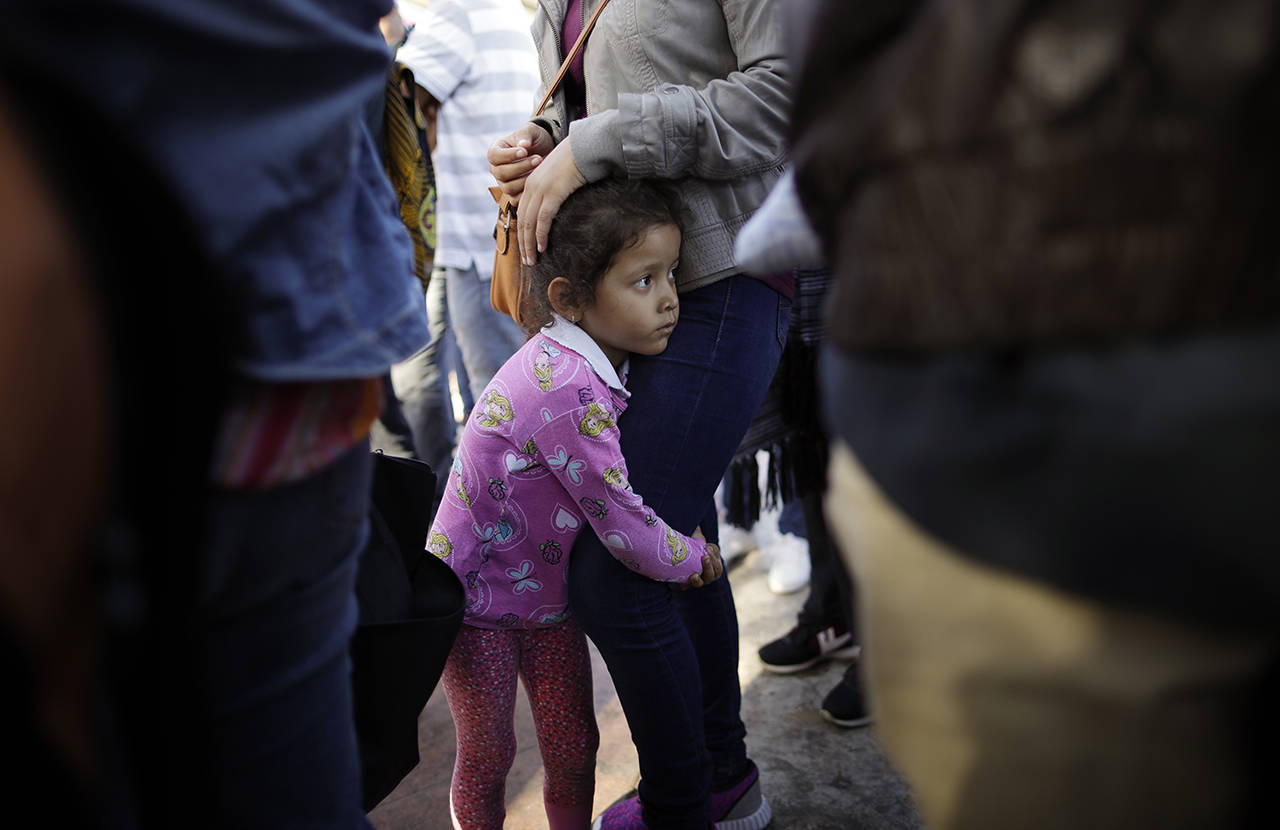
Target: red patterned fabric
(480,683)
(276,433)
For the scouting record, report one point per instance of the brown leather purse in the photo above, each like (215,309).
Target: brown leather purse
(509,289)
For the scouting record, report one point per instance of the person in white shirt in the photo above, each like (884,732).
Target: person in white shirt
(476,70)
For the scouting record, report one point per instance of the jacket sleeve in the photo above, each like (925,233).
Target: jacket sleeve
(732,127)
(593,472)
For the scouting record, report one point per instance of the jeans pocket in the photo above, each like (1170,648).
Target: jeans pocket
(784,319)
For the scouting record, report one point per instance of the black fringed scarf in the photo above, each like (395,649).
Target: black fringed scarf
(787,425)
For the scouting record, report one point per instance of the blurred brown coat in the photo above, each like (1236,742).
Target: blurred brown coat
(997,172)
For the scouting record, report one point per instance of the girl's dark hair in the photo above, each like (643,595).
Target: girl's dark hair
(596,223)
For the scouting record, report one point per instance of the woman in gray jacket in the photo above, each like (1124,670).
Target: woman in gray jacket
(696,93)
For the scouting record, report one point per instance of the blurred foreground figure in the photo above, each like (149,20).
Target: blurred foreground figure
(228,220)
(56,417)
(1054,398)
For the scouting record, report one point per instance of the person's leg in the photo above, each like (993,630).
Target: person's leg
(486,337)
(830,599)
(791,519)
(845,704)
(734,539)
(391,433)
(276,612)
(823,628)
(788,555)
(456,367)
(1010,704)
(556,668)
(423,390)
(672,654)
(480,684)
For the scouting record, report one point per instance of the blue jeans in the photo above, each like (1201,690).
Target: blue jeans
(277,608)
(391,432)
(673,655)
(421,383)
(486,337)
(791,519)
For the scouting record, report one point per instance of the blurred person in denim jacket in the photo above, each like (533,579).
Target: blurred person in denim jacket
(250,116)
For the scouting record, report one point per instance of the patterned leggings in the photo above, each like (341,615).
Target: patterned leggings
(480,684)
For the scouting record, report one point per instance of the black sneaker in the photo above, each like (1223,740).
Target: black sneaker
(807,645)
(844,705)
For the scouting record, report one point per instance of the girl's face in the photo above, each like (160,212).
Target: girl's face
(635,307)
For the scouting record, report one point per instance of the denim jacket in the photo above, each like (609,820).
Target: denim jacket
(695,91)
(253,114)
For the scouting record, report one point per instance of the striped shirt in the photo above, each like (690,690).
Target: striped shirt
(478,59)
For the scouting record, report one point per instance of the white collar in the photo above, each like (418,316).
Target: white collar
(571,335)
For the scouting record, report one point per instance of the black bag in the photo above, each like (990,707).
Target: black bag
(410,610)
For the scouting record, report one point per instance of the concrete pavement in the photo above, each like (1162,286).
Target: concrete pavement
(816,776)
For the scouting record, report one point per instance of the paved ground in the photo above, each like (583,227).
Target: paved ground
(817,776)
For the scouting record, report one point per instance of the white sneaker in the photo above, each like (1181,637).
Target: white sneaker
(789,564)
(734,542)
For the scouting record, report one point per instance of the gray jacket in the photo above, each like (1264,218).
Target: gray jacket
(693,91)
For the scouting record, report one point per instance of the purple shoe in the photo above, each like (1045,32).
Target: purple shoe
(624,815)
(743,806)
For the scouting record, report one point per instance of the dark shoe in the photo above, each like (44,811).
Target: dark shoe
(807,645)
(844,705)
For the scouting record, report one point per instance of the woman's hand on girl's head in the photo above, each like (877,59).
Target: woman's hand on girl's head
(712,568)
(545,189)
(512,157)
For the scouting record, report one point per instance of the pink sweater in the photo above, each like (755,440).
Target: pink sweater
(540,460)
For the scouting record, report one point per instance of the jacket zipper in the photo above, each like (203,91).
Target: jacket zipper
(557,25)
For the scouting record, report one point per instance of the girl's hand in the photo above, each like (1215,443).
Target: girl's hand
(712,568)
(545,189)
(512,157)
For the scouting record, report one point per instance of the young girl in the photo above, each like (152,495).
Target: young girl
(538,463)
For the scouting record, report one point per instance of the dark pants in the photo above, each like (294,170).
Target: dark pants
(830,599)
(673,655)
(277,610)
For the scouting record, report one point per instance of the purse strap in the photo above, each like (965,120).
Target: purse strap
(573,53)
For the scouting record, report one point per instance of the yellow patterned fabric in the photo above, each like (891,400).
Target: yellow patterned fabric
(409,169)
